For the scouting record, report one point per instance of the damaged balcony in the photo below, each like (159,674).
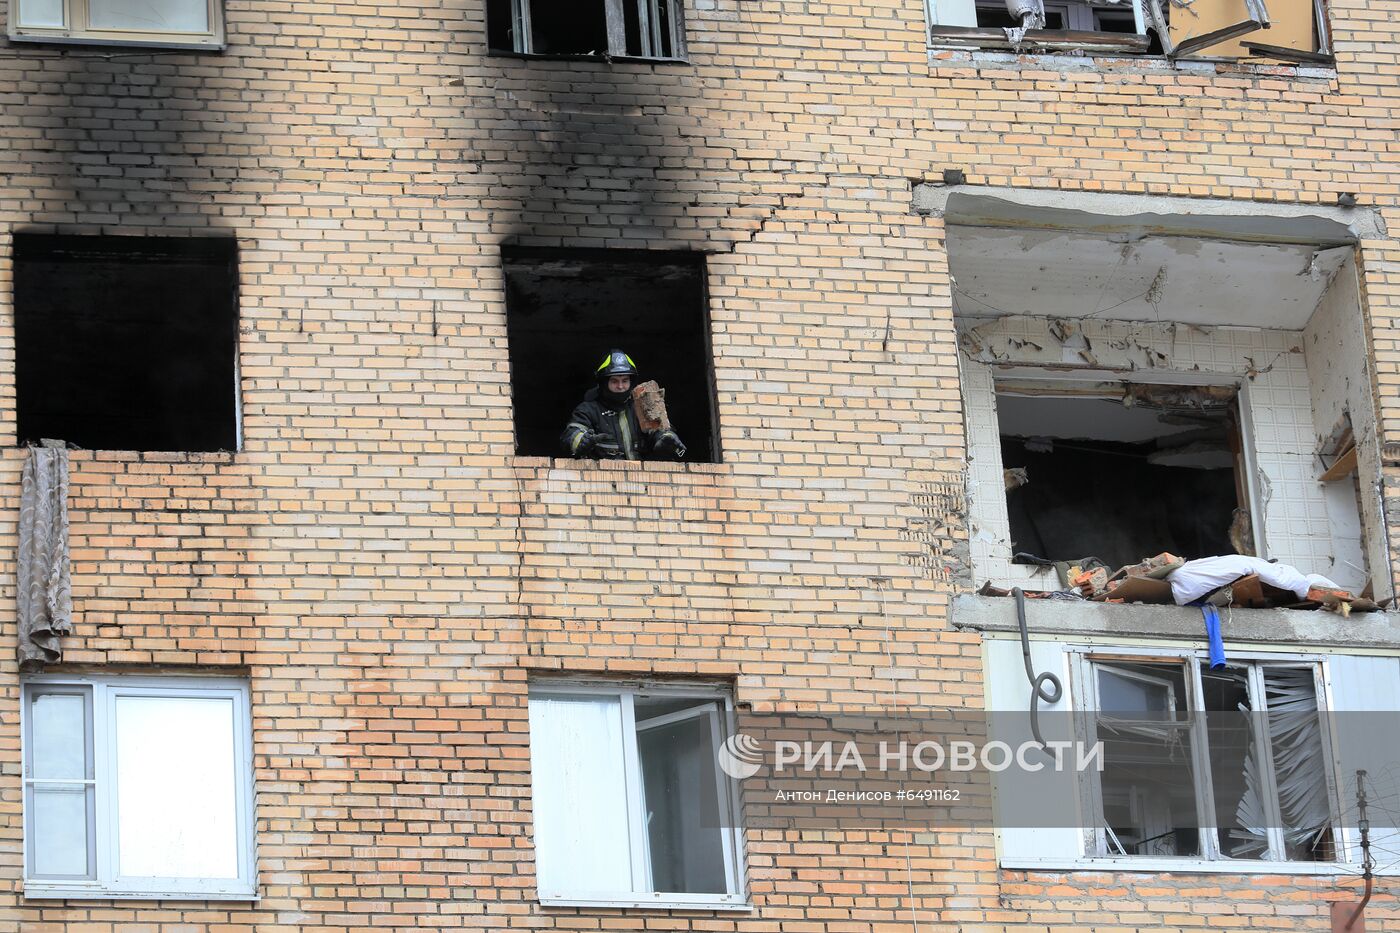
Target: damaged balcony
(1178,380)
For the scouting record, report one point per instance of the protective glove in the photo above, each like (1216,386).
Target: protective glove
(586,442)
(668,446)
(605,448)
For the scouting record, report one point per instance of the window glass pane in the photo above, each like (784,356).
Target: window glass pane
(580,800)
(1240,812)
(41,13)
(150,15)
(59,823)
(58,736)
(176,787)
(682,810)
(1135,692)
(1148,781)
(1295,732)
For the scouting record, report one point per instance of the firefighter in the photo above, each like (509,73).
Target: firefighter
(604,425)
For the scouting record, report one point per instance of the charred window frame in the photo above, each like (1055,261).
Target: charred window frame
(1221,764)
(127,342)
(566,308)
(613,29)
(1230,29)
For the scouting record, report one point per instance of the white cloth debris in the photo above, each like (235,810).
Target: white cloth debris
(1196,578)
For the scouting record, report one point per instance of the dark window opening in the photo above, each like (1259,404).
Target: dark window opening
(642,28)
(998,17)
(126,343)
(565,309)
(1122,476)
(1115,20)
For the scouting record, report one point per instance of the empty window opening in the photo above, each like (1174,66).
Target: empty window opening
(997,16)
(566,309)
(127,343)
(1255,725)
(1120,472)
(618,28)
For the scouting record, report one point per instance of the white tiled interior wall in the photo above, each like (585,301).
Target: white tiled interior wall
(1276,409)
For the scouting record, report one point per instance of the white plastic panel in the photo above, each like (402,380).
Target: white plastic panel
(1008,700)
(580,795)
(175,793)
(953,12)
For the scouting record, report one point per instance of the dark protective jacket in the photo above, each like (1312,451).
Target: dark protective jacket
(598,430)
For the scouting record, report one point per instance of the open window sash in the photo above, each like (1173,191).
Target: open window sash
(1202,25)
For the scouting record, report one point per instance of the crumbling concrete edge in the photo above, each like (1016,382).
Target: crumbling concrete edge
(1087,211)
(1078,619)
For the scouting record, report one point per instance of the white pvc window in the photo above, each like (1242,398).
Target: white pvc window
(631,808)
(184,23)
(1188,774)
(137,787)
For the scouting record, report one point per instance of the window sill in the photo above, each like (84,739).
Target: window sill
(951,50)
(1188,866)
(1112,43)
(212,45)
(47,891)
(701,902)
(626,466)
(602,59)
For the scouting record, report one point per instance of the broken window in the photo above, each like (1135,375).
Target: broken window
(617,28)
(193,23)
(630,806)
(1118,471)
(137,786)
(565,309)
(1241,746)
(127,343)
(1219,28)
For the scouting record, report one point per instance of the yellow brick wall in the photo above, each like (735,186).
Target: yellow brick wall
(389,574)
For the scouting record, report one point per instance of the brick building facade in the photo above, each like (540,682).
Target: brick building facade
(389,575)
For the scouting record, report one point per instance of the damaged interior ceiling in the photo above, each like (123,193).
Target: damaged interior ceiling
(1019,271)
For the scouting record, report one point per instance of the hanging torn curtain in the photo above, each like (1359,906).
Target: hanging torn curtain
(45,600)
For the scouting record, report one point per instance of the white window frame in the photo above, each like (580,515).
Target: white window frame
(101,726)
(648,18)
(1084,663)
(77,28)
(736,897)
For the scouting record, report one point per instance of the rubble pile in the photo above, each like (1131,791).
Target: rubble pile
(1229,580)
